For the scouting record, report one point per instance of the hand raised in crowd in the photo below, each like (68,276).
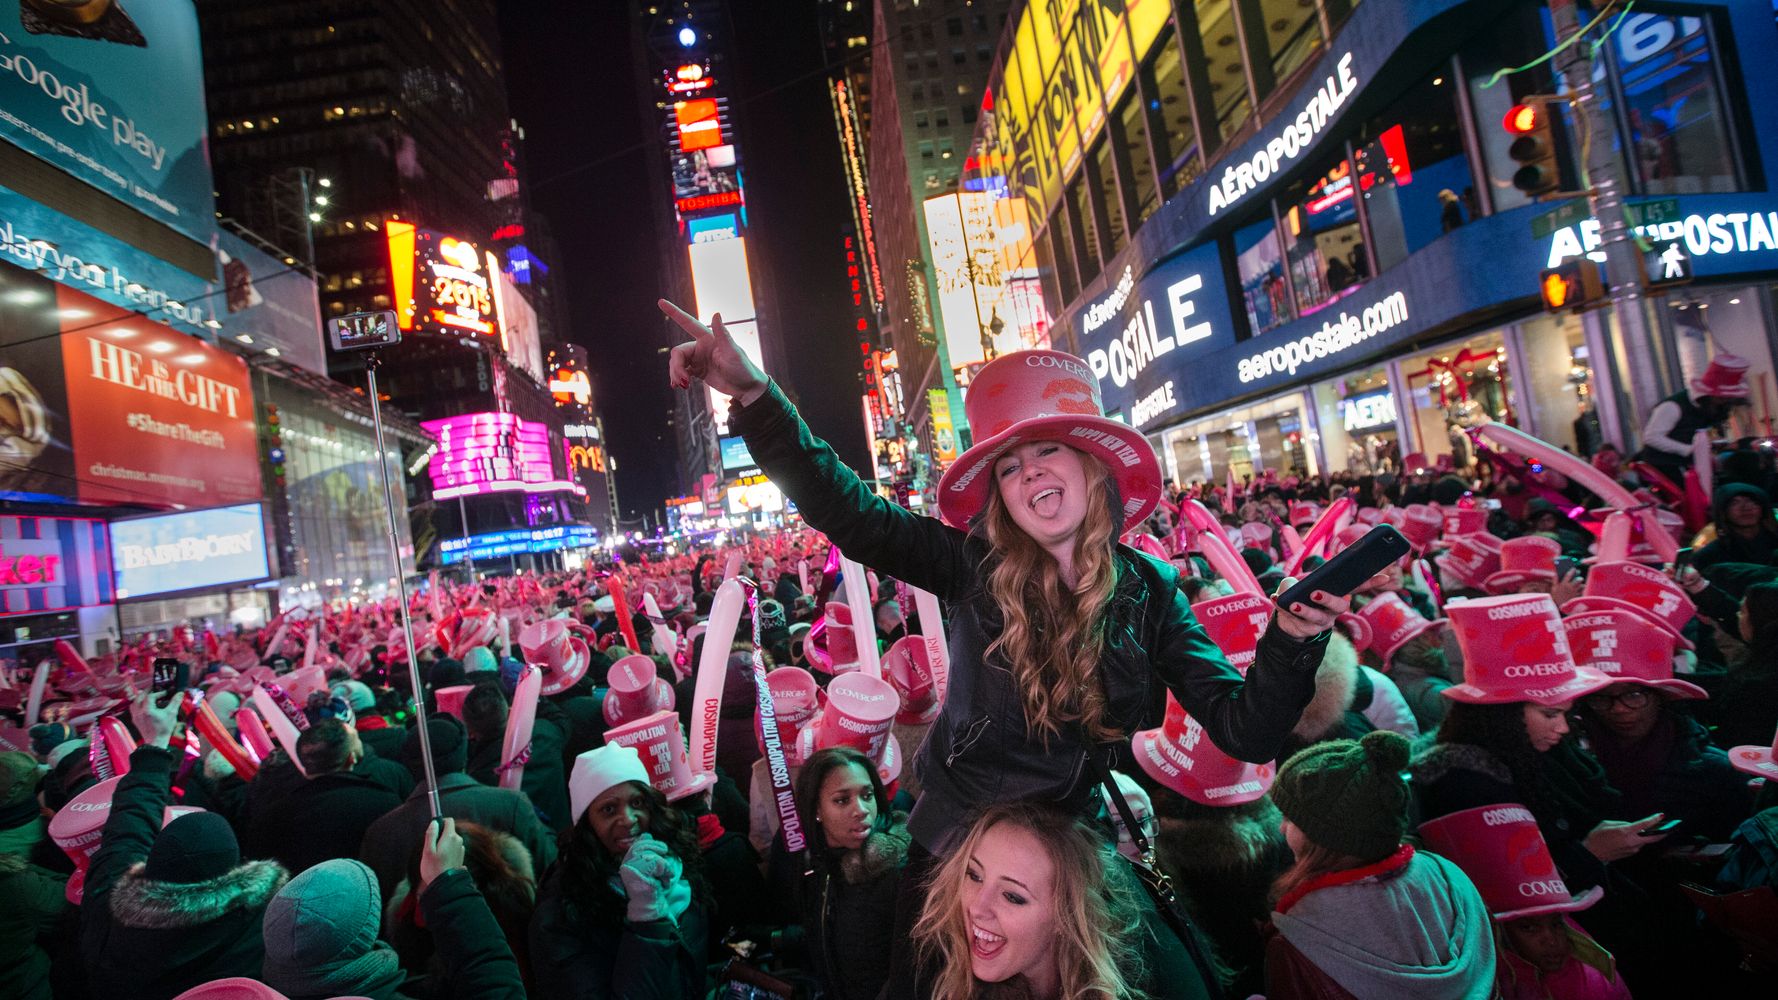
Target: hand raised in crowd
(155,722)
(1306,621)
(1689,579)
(1567,588)
(713,357)
(1613,840)
(442,852)
(652,882)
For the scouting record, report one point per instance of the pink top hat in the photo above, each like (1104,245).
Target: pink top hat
(1390,622)
(1636,588)
(237,988)
(1471,559)
(1394,517)
(1629,649)
(1465,521)
(1523,560)
(1761,762)
(635,690)
(1368,516)
(1302,513)
(1501,850)
(1515,649)
(78,828)
(859,713)
(661,742)
(795,700)
(831,646)
(908,667)
(1044,396)
(450,699)
(552,647)
(1180,757)
(1724,378)
(1235,624)
(1421,525)
(1255,535)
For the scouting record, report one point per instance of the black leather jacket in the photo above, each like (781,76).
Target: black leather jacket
(978,750)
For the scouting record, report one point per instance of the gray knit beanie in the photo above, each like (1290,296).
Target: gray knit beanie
(321,935)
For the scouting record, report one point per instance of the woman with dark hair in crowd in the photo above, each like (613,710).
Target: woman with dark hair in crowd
(1032,904)
(502,870)
(625,912)
(1748,705)
(1746,531)
(842,892)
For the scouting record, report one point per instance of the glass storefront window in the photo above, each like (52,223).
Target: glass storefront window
(1735,321)
(1558,376)
(1222,51)
(1679,139)
(1356,418)
(1132,132)
(1261,268)
(1170,116)
(1292,34)
(1108,204)
(1265,436)
(1322,239)
(1412,170)
(1454,387)
(1084,228)
(1062,241)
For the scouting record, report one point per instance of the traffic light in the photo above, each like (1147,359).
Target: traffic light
(1572,285)
(1533,148)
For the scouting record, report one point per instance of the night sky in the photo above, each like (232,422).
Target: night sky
(571,84)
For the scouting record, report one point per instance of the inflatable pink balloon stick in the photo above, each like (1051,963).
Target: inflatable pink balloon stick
(1614,538)
(119,744)
(620,603)
(1581,471)
(664,639)
(864,621)
(72,659)
(283,730)
(732,568)
(932,624)
(1290,544)
(505,635)
(1216,548)
(802,575)
(725,618)
(1428,582)
(520,720)
(312,646)
(1704,460)
(1321,536)
(432,596)
(205,723)
(253,734)
(34,702)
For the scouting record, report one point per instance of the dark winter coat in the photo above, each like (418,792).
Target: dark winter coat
(153,940)
(1336,712)
(31,903)
(847,910)
(322,818)
(1695,783)
(980,750)
(545,781)
(1223,863)
(1761,549)
(574,958)
(384,740)
(396,837)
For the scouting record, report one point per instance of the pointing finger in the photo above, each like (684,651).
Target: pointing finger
(685,321)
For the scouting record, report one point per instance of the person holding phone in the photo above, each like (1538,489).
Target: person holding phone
(1063,642)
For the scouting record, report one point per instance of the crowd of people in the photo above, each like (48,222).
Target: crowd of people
(1061,744)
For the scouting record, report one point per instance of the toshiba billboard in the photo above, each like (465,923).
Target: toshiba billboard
(100,405)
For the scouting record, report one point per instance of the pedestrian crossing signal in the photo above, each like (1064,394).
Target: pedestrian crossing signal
(1571,286)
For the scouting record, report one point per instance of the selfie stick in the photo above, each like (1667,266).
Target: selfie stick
(371,361)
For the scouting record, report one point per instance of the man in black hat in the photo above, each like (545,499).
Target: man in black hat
(167,909)
(390,841)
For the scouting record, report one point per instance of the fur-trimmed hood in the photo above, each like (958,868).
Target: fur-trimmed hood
(1432,761)
(1335,682)
(884,851)
(1229,840)
(145,904)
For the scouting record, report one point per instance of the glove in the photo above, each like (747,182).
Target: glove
(653,882)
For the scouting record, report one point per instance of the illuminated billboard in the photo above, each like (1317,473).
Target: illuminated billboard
(705,172)
(966,248)
(191,550)
(755,494)
(699,123)
(52,564)
(722,284)
(492,453)
(735,454)
(441,284)
(519,336)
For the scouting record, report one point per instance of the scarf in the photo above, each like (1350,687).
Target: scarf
(375,974)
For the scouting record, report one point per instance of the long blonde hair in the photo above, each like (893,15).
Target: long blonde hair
(1097,917)
(1053,634)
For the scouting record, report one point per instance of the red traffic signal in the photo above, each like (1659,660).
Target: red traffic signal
(1523,119)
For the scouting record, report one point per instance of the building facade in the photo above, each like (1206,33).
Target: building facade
(1286,236)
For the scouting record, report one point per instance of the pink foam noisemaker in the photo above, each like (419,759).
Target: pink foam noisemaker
(520,720)
(1216,548)
(725,618)
(1582,471)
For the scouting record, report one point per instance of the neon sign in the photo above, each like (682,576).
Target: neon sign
(491,453)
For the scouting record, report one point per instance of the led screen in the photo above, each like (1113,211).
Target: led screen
(191,550)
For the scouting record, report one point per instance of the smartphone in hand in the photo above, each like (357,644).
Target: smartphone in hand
(1348,571)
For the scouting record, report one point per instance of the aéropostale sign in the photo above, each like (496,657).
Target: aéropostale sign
(112,93)
(1140,336)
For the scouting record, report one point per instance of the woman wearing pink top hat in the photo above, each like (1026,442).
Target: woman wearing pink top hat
(1062,643)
